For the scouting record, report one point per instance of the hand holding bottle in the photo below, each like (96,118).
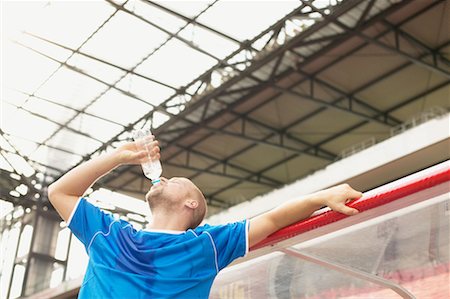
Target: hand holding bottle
(151,166)
(131,153)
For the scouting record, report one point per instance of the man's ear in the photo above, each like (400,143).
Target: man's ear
(191,203)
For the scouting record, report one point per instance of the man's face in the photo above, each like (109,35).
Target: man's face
(176,189)
(175,186)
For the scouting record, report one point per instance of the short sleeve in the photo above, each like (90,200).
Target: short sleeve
(86,220)
(230,241)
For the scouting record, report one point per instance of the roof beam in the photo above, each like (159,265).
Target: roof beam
(70,108)
(255,66)
(397,49)
(435,68)
(109,85)
(233,80)
(171,35)
(348,35)
(280,134)
(78,51)
(23,179)
(416,42)
(225,162)
(56,123)
(114,87)
(41,144)
(366,11)
(315,150)
(324,103)
(216,161)
(65,125)
(339,134)
(189,20)
(391,10)
(104,146)
(199,102)
(352,99)
(222,174)
(264,141)
(70,56)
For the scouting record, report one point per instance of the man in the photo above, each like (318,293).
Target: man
(174,257)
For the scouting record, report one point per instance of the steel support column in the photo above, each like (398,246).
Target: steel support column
(40,259)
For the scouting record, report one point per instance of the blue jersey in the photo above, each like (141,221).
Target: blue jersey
(129,263)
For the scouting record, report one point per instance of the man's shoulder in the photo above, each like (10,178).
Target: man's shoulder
(208,228)
(201,229)
(219,227)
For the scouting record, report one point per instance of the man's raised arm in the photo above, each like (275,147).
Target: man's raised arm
(296,210)
(64,193)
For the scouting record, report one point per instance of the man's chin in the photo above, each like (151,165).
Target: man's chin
(155,187)
(155,190)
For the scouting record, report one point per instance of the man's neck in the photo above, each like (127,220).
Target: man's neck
(166,222)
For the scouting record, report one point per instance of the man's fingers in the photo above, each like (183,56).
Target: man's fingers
(141,156)
(352,198)
(348,191)
(356,194)
(155,147)
(346,210)
(154,154)
(352,194)
(155,143)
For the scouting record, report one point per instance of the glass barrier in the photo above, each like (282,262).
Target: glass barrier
(401,251)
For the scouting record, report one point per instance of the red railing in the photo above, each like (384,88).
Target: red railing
(407,186)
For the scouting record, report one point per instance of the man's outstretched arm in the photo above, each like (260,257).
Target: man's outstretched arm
(296,210)
(64,193)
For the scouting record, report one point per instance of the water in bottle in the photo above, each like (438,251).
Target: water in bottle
(151,167)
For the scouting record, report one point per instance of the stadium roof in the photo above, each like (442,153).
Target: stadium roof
(244,96)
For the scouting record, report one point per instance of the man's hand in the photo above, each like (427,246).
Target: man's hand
(132,153)
(336,198)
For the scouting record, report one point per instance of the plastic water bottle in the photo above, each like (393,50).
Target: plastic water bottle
(152,167)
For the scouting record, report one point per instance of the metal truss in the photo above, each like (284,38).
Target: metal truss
(397,49)
(161,107)
(388,120)
(180,125)
(10,181)
(247,72)
(378,114)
